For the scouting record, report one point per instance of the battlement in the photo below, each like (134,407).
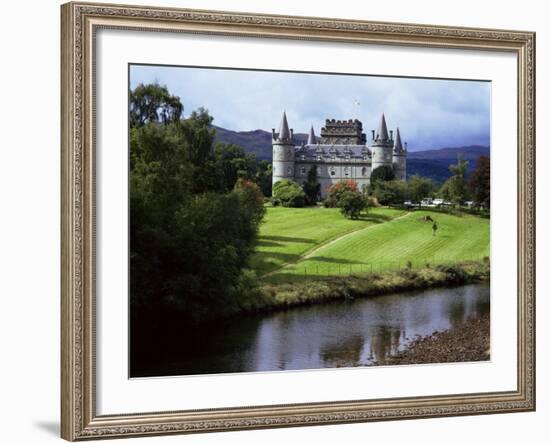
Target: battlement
(342,132)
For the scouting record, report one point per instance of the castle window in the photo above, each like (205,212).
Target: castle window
(347,157)
(303,171)
(346,171)
(364,171)
(365,157)
(318,158)
(303,157)
(332,171)
(333,157)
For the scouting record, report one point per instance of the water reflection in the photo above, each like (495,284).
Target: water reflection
(347,333)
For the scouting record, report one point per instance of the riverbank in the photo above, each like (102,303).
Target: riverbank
(326,289)
(469,341)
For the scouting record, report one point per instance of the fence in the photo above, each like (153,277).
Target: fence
(346,269)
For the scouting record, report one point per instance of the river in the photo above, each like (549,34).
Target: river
(339,334)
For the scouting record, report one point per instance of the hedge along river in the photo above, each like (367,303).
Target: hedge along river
(338,334)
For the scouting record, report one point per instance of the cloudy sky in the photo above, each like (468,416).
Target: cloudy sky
(429,113)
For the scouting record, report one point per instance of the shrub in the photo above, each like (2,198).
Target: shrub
(289,193)
(455,273)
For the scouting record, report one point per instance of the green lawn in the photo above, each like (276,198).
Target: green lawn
(288,233)
(313,241)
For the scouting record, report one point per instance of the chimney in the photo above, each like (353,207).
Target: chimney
(372,134)
(391,134)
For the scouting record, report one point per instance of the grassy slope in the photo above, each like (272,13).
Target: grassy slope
(287,234)
(387,245)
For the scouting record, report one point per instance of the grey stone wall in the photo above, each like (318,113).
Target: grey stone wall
(330,172)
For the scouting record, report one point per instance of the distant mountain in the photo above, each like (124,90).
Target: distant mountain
(433,163)
(257,142)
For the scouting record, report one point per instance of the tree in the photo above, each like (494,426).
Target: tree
(289,193)
(455,189)
(390,192)
(264,177)
(336,190)
(351,204)
(234,163)
(480,182)
(251,198)
(189,239)
(382,173)
(311,186)
(420,188)
(153,103)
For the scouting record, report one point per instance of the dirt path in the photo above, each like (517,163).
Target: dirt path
(323,245)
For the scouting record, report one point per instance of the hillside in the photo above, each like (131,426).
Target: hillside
(433,163)
(382,240)
(257,142)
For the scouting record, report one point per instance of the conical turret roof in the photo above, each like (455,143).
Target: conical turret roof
(311,140)
(284,132)
(397,145)
(383,129)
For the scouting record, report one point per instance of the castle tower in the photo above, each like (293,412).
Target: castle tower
(311,139)
(399,158)
(382,146)
(283,152)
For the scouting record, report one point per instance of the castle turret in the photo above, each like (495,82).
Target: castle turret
(382,146)
(283,152)
(311,139)
(399,158)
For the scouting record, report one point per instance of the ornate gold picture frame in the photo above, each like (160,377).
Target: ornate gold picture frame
(80,23)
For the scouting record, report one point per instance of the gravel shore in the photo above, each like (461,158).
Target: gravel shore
(469,341)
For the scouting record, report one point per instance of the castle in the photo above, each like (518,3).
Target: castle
(341,153)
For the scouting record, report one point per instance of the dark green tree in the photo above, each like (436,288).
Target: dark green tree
(480,182)
(234,163)
(351,204)
(189,239)
(153,103)
(382,173)
(264,177)
(420,188)
(311,186)
(455,188)
(390,192)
